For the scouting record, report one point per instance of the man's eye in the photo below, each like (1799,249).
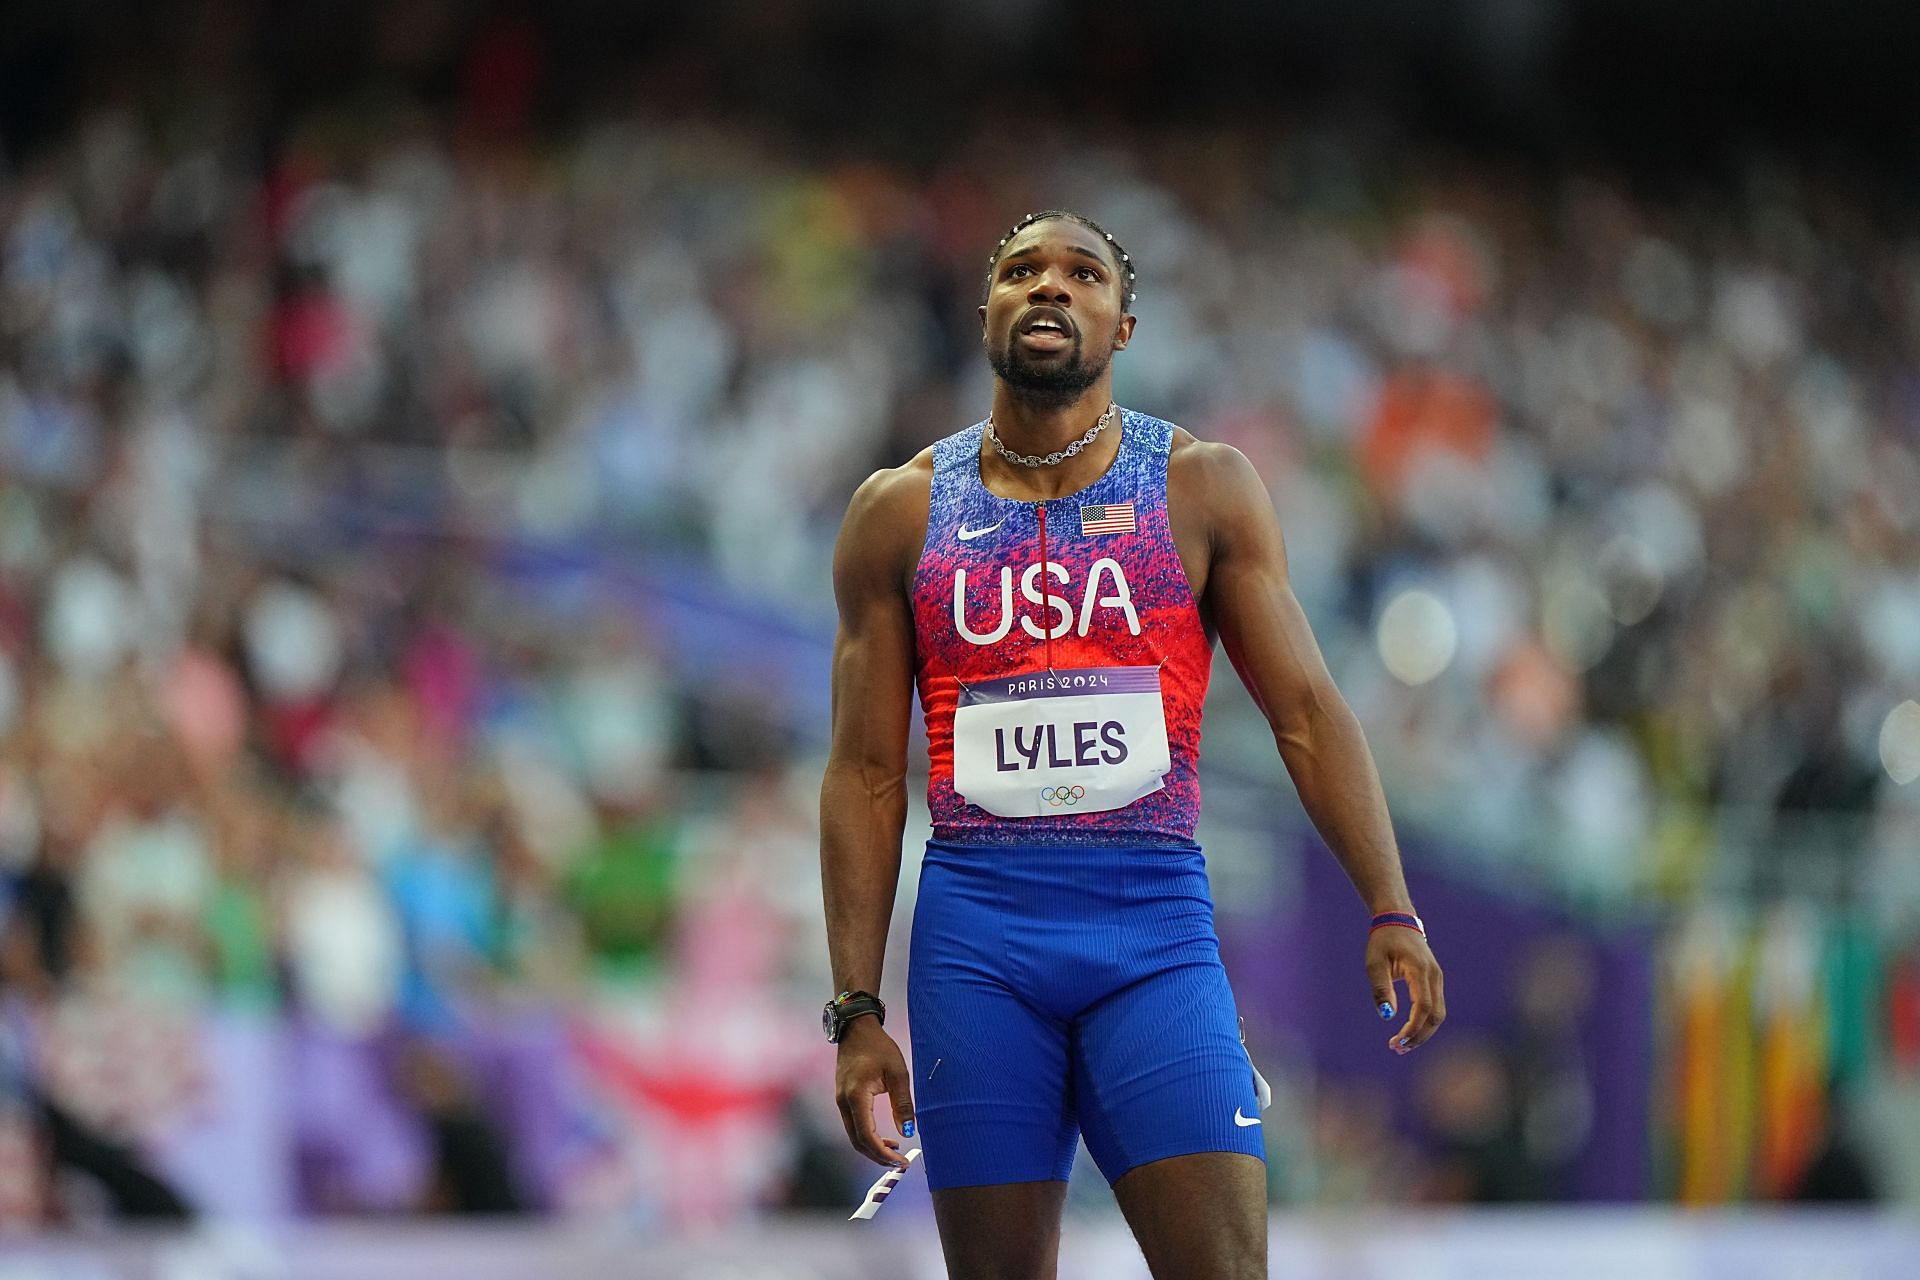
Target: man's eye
(1014,271)
(1089,273)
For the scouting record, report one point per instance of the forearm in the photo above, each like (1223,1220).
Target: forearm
(1326,754)
(862,818)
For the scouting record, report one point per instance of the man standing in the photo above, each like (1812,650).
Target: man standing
(1052,580)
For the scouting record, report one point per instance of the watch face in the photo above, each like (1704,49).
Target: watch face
(826,1021)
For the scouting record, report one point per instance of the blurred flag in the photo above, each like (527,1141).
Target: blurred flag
(1790,1003)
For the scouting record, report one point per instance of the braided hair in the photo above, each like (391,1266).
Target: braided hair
(1122,260)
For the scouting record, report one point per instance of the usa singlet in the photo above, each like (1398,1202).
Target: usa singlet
(1065,977)
(1062,664)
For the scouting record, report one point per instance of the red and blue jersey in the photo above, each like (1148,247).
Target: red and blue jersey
(1061,661)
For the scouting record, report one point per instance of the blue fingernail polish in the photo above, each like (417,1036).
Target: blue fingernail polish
(906,1130)
(1403,1042)
(1386,1010)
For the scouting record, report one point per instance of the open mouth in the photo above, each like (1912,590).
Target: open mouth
(1046,328)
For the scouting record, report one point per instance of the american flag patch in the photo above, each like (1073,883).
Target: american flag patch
(1115,517)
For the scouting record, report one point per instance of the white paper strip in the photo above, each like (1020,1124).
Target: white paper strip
(877,1193)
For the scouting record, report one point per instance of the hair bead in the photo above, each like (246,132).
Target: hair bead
(1126,259)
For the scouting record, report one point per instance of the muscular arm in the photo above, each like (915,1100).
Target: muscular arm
(1267,637)
(863,798)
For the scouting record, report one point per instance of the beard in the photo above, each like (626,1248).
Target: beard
(1049,384)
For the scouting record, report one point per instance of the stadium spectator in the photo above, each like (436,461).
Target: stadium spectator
(1606,506)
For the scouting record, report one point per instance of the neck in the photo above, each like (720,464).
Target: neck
(1030,424)
(1040,428)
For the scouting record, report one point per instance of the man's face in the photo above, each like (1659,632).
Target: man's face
(1055,310)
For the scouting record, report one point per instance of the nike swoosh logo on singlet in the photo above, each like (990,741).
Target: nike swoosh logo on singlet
(1245,1122)
(966,535)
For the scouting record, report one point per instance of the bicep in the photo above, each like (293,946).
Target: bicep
(873,646)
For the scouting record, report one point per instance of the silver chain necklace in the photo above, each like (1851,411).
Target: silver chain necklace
(1057,457)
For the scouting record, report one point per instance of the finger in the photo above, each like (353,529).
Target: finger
(900,1093)
(1380,976)
(1425,1008)
(880,1150)
(846,1121)
(857,1110)
(1435,1006)
(851,1125)
(1403,1041)
(869,1144)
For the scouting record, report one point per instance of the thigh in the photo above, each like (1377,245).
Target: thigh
(992,1088)
(1006,1232)
(1199,1217)
(1159,1071)
(992,1083)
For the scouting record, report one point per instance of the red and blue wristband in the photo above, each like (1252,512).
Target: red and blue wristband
(1398,920)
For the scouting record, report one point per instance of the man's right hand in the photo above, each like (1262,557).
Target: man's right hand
(871,1064)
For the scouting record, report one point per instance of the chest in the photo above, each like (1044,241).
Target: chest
(1132,543)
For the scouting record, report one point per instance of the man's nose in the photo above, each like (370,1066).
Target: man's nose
(1050,286)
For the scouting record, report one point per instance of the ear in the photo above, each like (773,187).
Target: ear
(1123,334)
(983,319)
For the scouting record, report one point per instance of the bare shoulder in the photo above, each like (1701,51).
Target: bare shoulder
(886,523)
(1214,477)
(892,494)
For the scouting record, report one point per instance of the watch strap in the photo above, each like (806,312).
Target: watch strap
(848,1005)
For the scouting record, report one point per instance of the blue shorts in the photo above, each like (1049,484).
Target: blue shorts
(1056,992)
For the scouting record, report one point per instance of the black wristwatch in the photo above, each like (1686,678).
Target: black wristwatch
(847,1006)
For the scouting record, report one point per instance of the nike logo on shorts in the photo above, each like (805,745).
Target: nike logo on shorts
(1244,1121)
(967,535)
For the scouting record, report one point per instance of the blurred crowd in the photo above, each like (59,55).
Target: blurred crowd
(1604,503)
(1604,506)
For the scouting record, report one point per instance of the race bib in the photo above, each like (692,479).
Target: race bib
(1049,742)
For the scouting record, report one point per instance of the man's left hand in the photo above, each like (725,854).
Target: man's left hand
(1402,955)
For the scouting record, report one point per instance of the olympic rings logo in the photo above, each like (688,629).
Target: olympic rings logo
(1063,796)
